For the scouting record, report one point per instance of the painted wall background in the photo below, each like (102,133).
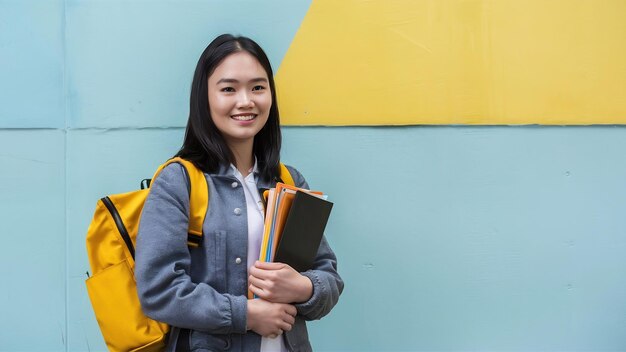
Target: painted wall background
(450,238)
(434,62)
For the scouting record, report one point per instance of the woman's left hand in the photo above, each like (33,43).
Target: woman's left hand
(279,283)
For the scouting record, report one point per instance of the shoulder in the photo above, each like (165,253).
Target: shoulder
(298,178)
(173,171)
(172,179)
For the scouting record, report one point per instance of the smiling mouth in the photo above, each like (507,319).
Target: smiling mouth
(243,117)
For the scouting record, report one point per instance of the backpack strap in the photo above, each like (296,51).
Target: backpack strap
(285,175)
(198,198)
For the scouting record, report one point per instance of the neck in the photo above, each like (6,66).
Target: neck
(242,152)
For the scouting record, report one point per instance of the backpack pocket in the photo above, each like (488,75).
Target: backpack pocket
(114,298)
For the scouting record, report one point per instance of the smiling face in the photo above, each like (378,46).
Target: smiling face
(239,98)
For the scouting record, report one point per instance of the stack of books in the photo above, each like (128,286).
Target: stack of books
(295,220)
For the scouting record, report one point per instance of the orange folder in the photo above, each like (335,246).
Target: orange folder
(281,217)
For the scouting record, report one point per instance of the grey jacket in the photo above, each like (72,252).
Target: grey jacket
(204,289)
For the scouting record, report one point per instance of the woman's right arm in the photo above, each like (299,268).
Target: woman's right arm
(162,265)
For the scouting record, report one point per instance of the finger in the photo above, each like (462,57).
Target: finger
(265,289)
(290,319)
(268,265)
(254,271)
(276,332)
(260,273)
(257,291)
(291,310)
(260,283)
(285,326)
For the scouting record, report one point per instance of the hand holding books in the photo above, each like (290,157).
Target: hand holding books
(278,282)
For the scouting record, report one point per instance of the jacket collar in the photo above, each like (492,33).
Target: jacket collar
(228,170)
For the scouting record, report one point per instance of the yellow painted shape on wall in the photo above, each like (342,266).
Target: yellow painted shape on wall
(389,62)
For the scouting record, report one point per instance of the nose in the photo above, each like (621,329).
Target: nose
(245,101)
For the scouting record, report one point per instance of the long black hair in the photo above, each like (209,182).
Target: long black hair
(204,145)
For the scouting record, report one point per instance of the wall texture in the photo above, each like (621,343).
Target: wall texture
(450,238)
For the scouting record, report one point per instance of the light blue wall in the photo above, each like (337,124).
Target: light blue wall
(449,238)
(31,64)
(473,238)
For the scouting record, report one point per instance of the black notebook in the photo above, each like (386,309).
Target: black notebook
(303,231)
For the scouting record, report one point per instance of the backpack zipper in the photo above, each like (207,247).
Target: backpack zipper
(120,225)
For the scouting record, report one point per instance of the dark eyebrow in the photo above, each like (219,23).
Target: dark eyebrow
(232,80)
(227,80)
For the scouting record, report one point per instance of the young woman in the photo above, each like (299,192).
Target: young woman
(233,136)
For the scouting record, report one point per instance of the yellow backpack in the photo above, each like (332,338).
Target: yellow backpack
(110,248)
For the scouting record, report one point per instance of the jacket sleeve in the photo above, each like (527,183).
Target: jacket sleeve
(162,264)
(327,284)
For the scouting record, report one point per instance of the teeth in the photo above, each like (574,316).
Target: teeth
(243,117)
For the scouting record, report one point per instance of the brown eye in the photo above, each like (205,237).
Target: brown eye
(227,89)
(258,88)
